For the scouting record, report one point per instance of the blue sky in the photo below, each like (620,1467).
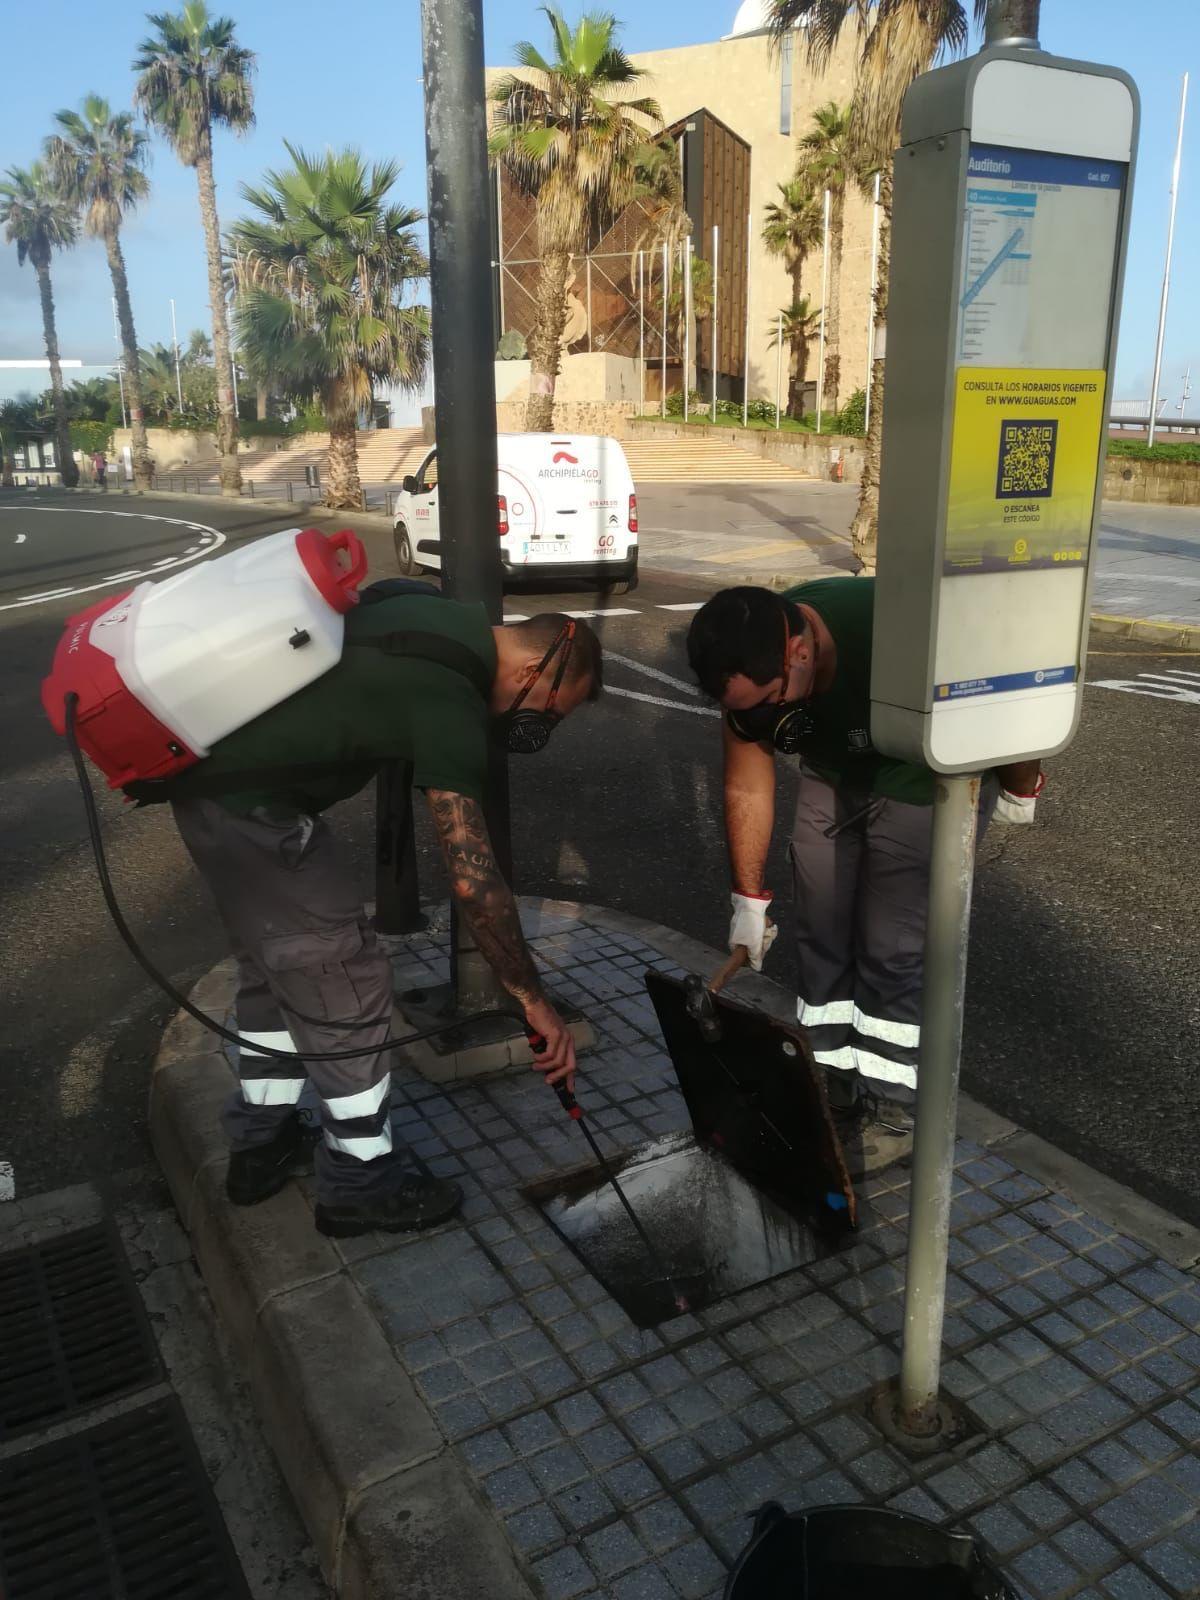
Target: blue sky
(352,75)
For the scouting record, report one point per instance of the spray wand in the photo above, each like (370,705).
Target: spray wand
(574,1110)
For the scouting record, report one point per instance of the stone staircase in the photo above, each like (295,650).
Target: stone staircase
(385,455)
(706,460)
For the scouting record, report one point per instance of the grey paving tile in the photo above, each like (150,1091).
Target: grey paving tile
(631,1483)
(604,1446)
(1176,1565)
(1131,1583)
(558,1467)
(662,1526)
(1000,1528)
(563,1575)
(583,1505)
(678,1459)
(613,1550)
(647,1583)
(1087,1547)
(1128,1521)
(1046,1573)
(694,1569)
(532,1433)
(534,1530)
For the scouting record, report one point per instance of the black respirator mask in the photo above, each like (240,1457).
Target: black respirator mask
(783,723)
(525,733)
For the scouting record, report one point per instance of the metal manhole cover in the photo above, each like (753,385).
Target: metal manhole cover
(73,1330)
(120,1512)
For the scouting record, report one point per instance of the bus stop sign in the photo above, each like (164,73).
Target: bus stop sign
(1011,212)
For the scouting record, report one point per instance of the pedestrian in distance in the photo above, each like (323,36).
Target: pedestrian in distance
(792,673)
(424,680)
(100,469)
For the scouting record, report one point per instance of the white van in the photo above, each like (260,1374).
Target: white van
(565,507)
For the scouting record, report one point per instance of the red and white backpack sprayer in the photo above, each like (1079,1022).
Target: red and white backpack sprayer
(162,672)
(147,681)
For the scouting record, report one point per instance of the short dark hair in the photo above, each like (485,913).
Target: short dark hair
(740,631)
(587,660)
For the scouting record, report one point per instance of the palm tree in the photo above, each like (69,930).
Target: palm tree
(194,76)
(39,220)
(320,275)
(800,322)
(99,160)
(829,158)
(897,41)
(793,225)
(570,139)
(89,399)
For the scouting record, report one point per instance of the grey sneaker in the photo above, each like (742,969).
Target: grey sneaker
(874,1132)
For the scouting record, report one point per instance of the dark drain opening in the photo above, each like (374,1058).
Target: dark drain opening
(717,1232)
(73,1330)
(758,1189)
(121,1512)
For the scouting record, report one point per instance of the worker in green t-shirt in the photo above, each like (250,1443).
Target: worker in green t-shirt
(793,674)
(421,680)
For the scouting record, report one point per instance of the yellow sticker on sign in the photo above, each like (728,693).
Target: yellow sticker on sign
(1024,456)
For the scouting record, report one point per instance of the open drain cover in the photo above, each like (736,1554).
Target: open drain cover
(72,1329)
(120,1512)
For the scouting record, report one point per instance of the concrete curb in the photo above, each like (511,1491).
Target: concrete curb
(1176,633)
(386,1502)
(388,1508)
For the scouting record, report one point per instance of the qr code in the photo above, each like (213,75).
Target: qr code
(1026,459)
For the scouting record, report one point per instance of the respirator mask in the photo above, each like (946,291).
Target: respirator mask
(525,733)
(783,723)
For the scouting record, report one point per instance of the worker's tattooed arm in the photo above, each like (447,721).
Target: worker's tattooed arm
(481,893)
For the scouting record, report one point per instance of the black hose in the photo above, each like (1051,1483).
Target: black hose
(70,703)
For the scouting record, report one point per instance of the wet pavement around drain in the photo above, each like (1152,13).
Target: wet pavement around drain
(626,1461)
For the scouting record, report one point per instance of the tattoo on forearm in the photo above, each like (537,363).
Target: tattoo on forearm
(479,887)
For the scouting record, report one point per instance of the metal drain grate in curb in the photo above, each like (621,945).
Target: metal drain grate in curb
(121,1512)
(73,1330)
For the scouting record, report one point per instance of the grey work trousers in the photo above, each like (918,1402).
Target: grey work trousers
(860,900)
(309,967)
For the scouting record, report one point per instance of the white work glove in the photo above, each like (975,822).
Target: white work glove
(1014,809)
(750,927)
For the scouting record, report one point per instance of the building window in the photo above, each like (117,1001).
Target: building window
(785,86)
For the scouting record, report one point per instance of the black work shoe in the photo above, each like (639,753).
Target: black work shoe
(873,1132)
(258,1173)
(419,1202)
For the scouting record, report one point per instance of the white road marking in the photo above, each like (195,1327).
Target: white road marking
(21,537)
(1161,690)
(8,1182)
(169,562)
(611,611)
(651,672)
(515,616)
(215,539)
(681,605)
(657,700)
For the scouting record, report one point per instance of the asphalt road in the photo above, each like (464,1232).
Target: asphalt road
(1084,999)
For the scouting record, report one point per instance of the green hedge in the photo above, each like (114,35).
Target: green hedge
(1138,451)
(91,436)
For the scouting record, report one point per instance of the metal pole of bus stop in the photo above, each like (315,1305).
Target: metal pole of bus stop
(951,874)
(947,935)
(464,381)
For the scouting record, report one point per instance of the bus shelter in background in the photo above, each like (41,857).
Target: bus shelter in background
(1011,215)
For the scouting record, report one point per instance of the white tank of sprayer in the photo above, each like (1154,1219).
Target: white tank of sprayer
(210,649)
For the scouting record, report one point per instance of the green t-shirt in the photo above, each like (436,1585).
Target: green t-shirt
(839,747)
(369,708)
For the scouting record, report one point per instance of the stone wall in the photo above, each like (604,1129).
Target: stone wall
(589,375)
(173,449)
(570,416)
(1166,483)
(830,456)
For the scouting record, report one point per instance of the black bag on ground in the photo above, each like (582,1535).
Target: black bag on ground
(859,1553)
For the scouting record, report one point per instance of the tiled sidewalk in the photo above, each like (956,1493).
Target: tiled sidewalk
(624,1464)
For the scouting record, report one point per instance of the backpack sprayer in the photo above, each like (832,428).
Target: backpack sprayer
(147,681)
